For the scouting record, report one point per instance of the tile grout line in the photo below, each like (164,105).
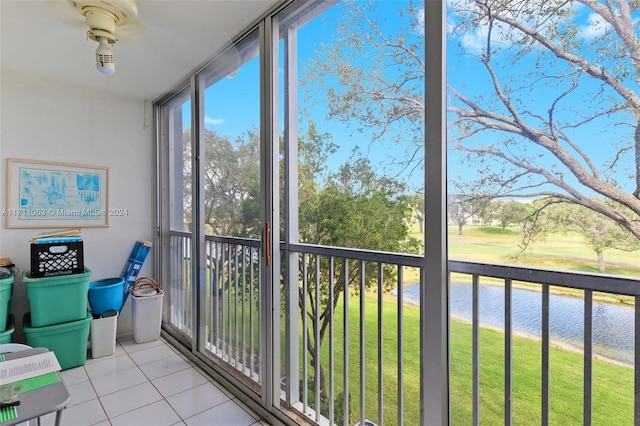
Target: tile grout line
(209,380)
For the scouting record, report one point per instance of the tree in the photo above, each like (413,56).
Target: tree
(458,211)
(559,74)
(510,212)
(598,232)
(462,208)
(372,77)
(354,208)
(416,201)
(550,78)
(231,183)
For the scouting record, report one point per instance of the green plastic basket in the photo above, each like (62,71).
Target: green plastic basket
(68,341)
(6,288)
(5,336)
(56,300)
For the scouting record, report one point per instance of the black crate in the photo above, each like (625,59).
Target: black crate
(55,259)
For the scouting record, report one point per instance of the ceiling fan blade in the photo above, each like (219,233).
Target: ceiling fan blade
(131,32)
(61,12)
(66,13)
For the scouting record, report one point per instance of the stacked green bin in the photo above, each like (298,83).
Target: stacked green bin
(6,323)
(67,340)
(5,336)
(58,318)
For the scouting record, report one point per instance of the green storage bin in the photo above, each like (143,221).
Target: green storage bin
(56,300)
(6,288)
(5,336)
(68,341)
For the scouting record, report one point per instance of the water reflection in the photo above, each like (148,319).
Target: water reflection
(613,325)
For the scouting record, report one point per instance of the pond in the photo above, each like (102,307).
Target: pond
(613,324)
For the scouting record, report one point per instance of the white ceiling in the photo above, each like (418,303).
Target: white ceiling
(46,39)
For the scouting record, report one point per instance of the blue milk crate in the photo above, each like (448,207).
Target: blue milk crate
(134,264)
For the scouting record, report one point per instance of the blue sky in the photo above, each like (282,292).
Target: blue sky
(232,106)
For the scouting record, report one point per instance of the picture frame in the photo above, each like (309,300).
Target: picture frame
(43,194)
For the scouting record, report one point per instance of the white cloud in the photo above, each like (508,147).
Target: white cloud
(419,27)
(596,27)
(476,41)
(213,121)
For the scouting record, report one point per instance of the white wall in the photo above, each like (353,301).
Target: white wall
(43,120)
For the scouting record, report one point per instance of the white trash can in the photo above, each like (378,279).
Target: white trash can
(103,335)
(146,314)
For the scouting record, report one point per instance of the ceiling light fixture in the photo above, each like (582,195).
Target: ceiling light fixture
(104,57)
(104,19)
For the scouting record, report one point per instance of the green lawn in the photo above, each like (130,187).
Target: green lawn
(558,251)
(612,384)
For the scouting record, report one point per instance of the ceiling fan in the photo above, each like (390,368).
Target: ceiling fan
(108,21)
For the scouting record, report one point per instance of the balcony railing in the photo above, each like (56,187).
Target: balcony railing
(232,298)
(545,281)
(349,356)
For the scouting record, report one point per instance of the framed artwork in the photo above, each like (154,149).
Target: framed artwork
(42,194)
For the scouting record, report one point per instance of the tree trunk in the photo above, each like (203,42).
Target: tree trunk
(324,391)
(600,260)
(460,225)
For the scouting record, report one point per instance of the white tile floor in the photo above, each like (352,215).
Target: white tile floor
(147,384)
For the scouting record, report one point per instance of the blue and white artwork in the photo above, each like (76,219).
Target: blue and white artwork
(58,195)
(55,189)
(88,187)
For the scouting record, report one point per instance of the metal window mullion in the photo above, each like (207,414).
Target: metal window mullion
(588,354)
(197,271)
(291,211)
(270,212)
(475,324)
(508,357)
(434,293)
(545,355)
